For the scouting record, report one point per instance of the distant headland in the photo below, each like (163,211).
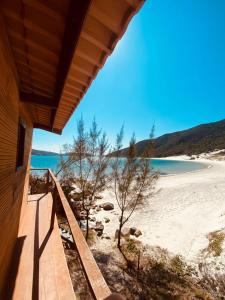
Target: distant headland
(42,152)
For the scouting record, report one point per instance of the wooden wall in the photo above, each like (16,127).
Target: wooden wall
(13,183)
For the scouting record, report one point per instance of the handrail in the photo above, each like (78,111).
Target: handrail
(96,281)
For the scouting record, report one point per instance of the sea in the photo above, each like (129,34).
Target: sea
(163,166)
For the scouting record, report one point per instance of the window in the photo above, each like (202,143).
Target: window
(20,144)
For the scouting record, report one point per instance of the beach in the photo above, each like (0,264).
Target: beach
(182,211)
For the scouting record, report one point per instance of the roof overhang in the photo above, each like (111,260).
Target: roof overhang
(59,47)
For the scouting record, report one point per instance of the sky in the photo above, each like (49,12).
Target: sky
(168,69)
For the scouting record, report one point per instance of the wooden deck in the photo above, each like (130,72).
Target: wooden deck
(41,270)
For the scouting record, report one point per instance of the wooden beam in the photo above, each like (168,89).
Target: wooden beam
(82,70)
(88,58)
(48,128)
(77,12)
(73,87)
(82,82)
(88,36)
(105,19)
(36,99)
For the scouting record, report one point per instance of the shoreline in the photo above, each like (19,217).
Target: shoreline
(185,207)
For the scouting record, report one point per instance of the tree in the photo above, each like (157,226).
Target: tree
(88,162)
(133,179)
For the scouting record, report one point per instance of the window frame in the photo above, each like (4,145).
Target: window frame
(21,136)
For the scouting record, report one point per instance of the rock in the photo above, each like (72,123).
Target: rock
(98,208)
(137,233)
(108,237)
(132,230)
(125,232)
(107,220)
(97,197)
(99,227)
(107,206)
(92,219)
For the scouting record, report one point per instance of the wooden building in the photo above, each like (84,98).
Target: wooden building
(50,51)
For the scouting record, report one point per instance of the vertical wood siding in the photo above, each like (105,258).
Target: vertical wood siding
(13,183)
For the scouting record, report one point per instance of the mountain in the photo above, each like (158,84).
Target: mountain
(196,140)
(42,152)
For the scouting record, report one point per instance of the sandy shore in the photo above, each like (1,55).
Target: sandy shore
(183,210)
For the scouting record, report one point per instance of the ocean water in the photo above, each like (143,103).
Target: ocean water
(165,167)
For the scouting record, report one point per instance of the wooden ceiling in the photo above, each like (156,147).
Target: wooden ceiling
(59,47)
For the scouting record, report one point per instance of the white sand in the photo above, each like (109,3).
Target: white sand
(184,209)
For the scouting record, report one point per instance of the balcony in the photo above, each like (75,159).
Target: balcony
(39,269)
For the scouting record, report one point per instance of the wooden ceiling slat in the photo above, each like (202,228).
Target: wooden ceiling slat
(36,80)
(37,46)
(93,40)
(83,71)
(35,90)
(36,59)
(37,99)
(43,8)
(88,58)
(39,76)
(76,85)
(26,82)
(32,26)
(67,93)
(39,70)
(73,87)
(75,79)
(105,19)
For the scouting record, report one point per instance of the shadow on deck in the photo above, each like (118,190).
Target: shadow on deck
(39,268)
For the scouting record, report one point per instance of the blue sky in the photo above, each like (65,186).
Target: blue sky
(169,68)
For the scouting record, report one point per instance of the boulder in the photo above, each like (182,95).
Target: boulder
(107,220)
(108,206)
(125,232)
(99,227)
(132,230)
(137,233)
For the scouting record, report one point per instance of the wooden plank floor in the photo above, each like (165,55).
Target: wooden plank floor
(42,271)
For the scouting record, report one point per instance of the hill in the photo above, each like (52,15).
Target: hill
(42,152)
(196,140)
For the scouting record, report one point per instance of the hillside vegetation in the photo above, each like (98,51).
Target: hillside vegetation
(196,140)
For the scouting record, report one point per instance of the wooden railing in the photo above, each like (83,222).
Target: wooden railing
(94,277)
